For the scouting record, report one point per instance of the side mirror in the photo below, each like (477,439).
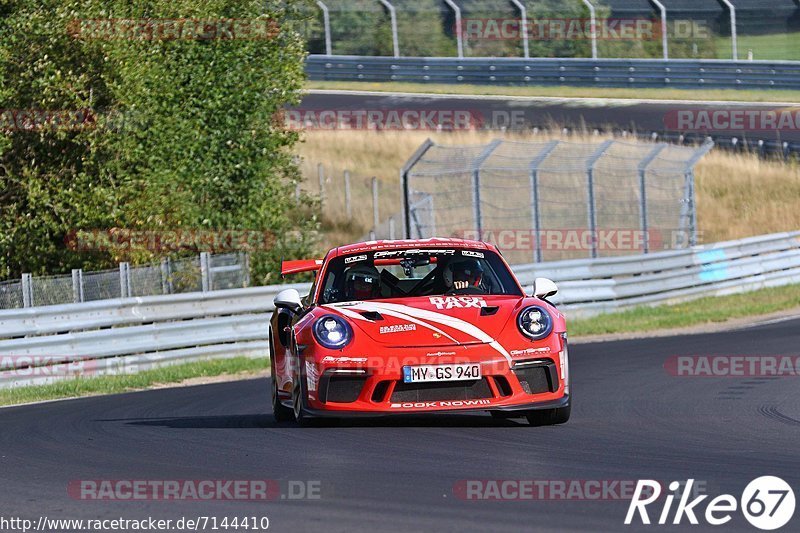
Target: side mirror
(544,288)
(288,299)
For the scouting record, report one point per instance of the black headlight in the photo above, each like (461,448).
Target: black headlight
(535,323)
(332,332)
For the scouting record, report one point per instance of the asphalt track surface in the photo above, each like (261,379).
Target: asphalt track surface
(631,420)
(574,113)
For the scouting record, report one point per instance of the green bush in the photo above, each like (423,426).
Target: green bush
(183,133)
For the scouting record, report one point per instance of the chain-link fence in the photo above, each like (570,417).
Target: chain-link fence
(553,200)
(203,273)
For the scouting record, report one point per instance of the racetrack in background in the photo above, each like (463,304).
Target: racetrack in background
(606,115)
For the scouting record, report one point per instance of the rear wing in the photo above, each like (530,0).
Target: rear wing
(301,265)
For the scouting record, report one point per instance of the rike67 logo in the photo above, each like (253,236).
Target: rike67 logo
(767,503)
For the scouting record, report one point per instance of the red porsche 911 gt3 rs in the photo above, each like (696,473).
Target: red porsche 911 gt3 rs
(417,326)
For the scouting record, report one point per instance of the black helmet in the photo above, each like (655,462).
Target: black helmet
(465,270)
(362,283)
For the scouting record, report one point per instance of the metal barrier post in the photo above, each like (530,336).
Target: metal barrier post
(523,12)
(593,30)
(321,177)
(245,269)
(393,15)
(643,164)
(166,276)
(326,21)
(376,218)
(734,37)
(421,151)
(690,199)
(664,43)
(205,271)
(590,189)
(348,205)
(536,219)
(27,290)
(124,280)
(77,285)
(476,184)
(459,29)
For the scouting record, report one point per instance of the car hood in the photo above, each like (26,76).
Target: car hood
(430,321)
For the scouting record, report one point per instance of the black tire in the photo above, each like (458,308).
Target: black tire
(549,417)
(279,411)
(298,409)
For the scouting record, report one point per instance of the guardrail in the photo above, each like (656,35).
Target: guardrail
(44,344)
(678,73)
(589,287)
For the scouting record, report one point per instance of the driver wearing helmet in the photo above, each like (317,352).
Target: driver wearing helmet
(465,274)
(362,283)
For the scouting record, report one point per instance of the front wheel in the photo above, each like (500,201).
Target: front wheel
(279,411)
(549,417)
(303,419)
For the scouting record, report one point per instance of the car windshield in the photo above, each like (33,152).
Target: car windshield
(416,272)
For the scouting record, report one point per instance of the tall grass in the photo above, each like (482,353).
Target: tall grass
(738,195)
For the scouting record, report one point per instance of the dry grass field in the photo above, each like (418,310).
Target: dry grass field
(738,195)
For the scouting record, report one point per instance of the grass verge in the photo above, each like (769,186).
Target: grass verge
(98,385)
(728,95)
(694,313)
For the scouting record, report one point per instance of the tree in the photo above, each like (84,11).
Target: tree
(179,133)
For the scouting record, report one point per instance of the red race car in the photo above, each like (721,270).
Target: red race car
(417,326)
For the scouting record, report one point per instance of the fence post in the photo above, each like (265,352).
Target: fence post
(205,271)
(645,223)
(393,16)
(590,190)
(321,176)
(326,23)
(459,28)
(376,219)
(77,285)
(166,276)
(124,280)
(245,269)
(27,290)
(734,38)
(534,175)
(663,10)
(523,13)
(476,184)
(415,158)
(348,206)
(593,26)
(691,206)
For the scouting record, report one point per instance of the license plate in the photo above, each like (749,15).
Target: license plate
(456,372)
